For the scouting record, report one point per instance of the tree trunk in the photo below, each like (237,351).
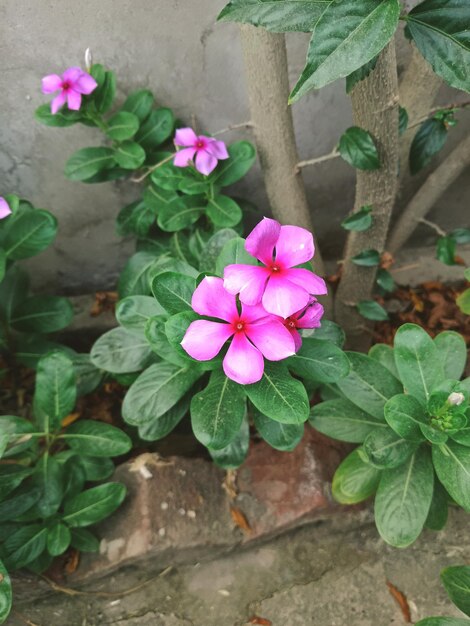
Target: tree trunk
(375,108)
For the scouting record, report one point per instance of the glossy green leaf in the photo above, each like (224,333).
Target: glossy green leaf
(135,219)
(14,430)
(277,16)
(156,335)
(372,310)
(42,314)
(354,481)
(233,455)
(366,258)
(428,141)
(445,250)
(439,509)
(129,155)
(180,249)
(242,155)
(443,621)
(319,360)
(404,414)
(223,211)
(156,197)
(3,263)
(29,233)
(133,280)
(359,220)
(104,94)
(11,476)
(463,301)
(87,162)
(452,464)
(83,540)
(403,119)
(5,593)
(360,74)
(61,119)
(140,103)
(383,353)
(328,331)
(56,390)
(120,351)
(174,291)
(133,313)
(50,478)
(384,449)
(96,468)
(181,213)
(357,147)
(156,129)
(284,437)
(233,252)
(19,503)
(93,505)
(98,439)
(25,545)
(162,426)
(213,248)
(58,539)
(456,581)
(30,348)
(403,499)
(452,353)
(122,125)
(342,420)
(385,280)
(461,235)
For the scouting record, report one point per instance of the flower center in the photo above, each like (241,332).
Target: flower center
(275,268)
(239,326)
(200,144)
(290,323)
(66,85)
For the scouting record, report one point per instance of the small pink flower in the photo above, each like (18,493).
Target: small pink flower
(5,210)
(72,84)
(308,317)
(282,288)
(208,150)
(254,333)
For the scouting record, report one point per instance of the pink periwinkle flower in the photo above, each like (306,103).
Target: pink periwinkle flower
(208,151)
(308,317)
(255,334)
(282,288)
(5,210)
(72,84)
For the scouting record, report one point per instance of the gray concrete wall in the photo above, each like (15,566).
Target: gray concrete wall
(193,65)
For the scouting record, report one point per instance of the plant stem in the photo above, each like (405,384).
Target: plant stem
(334,154)
(435,227)
(152,169)
(447,107)
(232,127)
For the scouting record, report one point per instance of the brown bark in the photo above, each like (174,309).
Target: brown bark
(375,109)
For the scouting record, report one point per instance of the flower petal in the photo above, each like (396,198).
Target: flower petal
(296,337)
(217,149)
(74,100)
(262,239)
(58,102)
(71,75)
(210,298)
(294,246)
(184,157)
(5,210)
(247,280)
(254,313)
(243,363)
(51,83)
(311,317)
(185,137)
(205,162)
(308,280)
(282,297)
(272,339)
(203,339)
(85,84)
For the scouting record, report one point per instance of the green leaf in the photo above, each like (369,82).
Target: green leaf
(84,540)
(163,425)
(213,248)
(30,348)
(463,301)
(233,252)
(385,450)
(417,361)
(357,148)
(134,312)
(445,250)
(156,129)
(56,390)
(3,264)
(29,233)
(278,16)
(5,593)
(179,246)
(345,37)
(93,438)
(279,396)
(385,280)
(440,31)
(439,510)
(284,437)
(217,411)
(452,353)
(21,501)
(139,103)
(96,468)
(169,177)
(452,464)
(13,290)
(354,481)
(61,119)
(50,479)
(456,581)
(129,155)
(103,96)
(223,211)
(461,235)
(233,455)
(174,291)
(122,125)
(42,314)
(319,360)
(242,155)
(369,384)
(402,120)
(156,391)
(372,310)
(156,197)
(403,500)
(155,333)
(11,476)
(359,220)
(133,280)
(328,331)
(367,258)
(342,420)
(87,162)
(24,546)
(58,539)
(181,213)
(135,219)
(360,74)
(93,505)
(427,142)
(405,415)
(120,351)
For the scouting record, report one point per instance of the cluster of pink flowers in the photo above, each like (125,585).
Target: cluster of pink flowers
(275,300)
(206,151)
(73,83)
(5,210)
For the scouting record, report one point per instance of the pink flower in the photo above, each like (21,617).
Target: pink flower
(282,288)
(72,84)
(208,150)
(5,210)
(308,317)
(254,333)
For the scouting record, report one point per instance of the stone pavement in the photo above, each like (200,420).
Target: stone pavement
(328,573)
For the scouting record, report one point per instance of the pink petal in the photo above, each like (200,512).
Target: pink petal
(217,149)
(51,83)
(312,316)
(5,210)
(205,162)
(210,298)
(262,239)
(282,297)
(308,280)
(294,246)
(58,102)
(272,339)
(184,157)
(185,137)
(254,313)
(243,363)
(247,280)
(85,84)
(203,339)
(71,75)
(74,100)
(296,337)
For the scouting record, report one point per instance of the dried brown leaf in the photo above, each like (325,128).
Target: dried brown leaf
(400,598)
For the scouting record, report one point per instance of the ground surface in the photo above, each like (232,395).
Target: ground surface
(325,574)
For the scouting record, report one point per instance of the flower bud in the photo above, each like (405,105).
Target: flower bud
(88,59)
(456,398)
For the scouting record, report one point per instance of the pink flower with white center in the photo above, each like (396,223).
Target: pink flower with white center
(282,288)
(308,317)
(72,84)
(208,151)
(255,334)
(5,210)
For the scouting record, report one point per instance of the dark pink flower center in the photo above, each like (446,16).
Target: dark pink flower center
(200,144)
(66,86)
(239,326)
(275,268)
(290,323)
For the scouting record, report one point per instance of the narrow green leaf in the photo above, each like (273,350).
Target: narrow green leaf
(233,252)
(402,120)
(93,505)
(56,390)
(463,301)
(25,545)
(461,235)
(445,250)
(242,155)
(50,479)
(367,258)
(385,280)
(87,162)
(58,539)
(84,540)
(428,141)
(97,439)
(372,310)
(341,419)
(354,481)
(439,509)
(360,220)
(133,280)
(162,426)
(5,593)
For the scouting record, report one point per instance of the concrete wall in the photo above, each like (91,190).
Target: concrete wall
(193,65)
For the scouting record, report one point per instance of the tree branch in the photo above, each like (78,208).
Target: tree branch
(334,154)
(447,107)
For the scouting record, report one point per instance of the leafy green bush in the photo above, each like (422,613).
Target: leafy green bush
(456,581)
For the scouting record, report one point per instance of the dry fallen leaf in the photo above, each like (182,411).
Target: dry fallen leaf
(70,419)
(401,600)
(104,301)
(240,520)
(261,621)
(72,561)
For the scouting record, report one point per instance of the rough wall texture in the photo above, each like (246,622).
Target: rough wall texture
(193,65)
